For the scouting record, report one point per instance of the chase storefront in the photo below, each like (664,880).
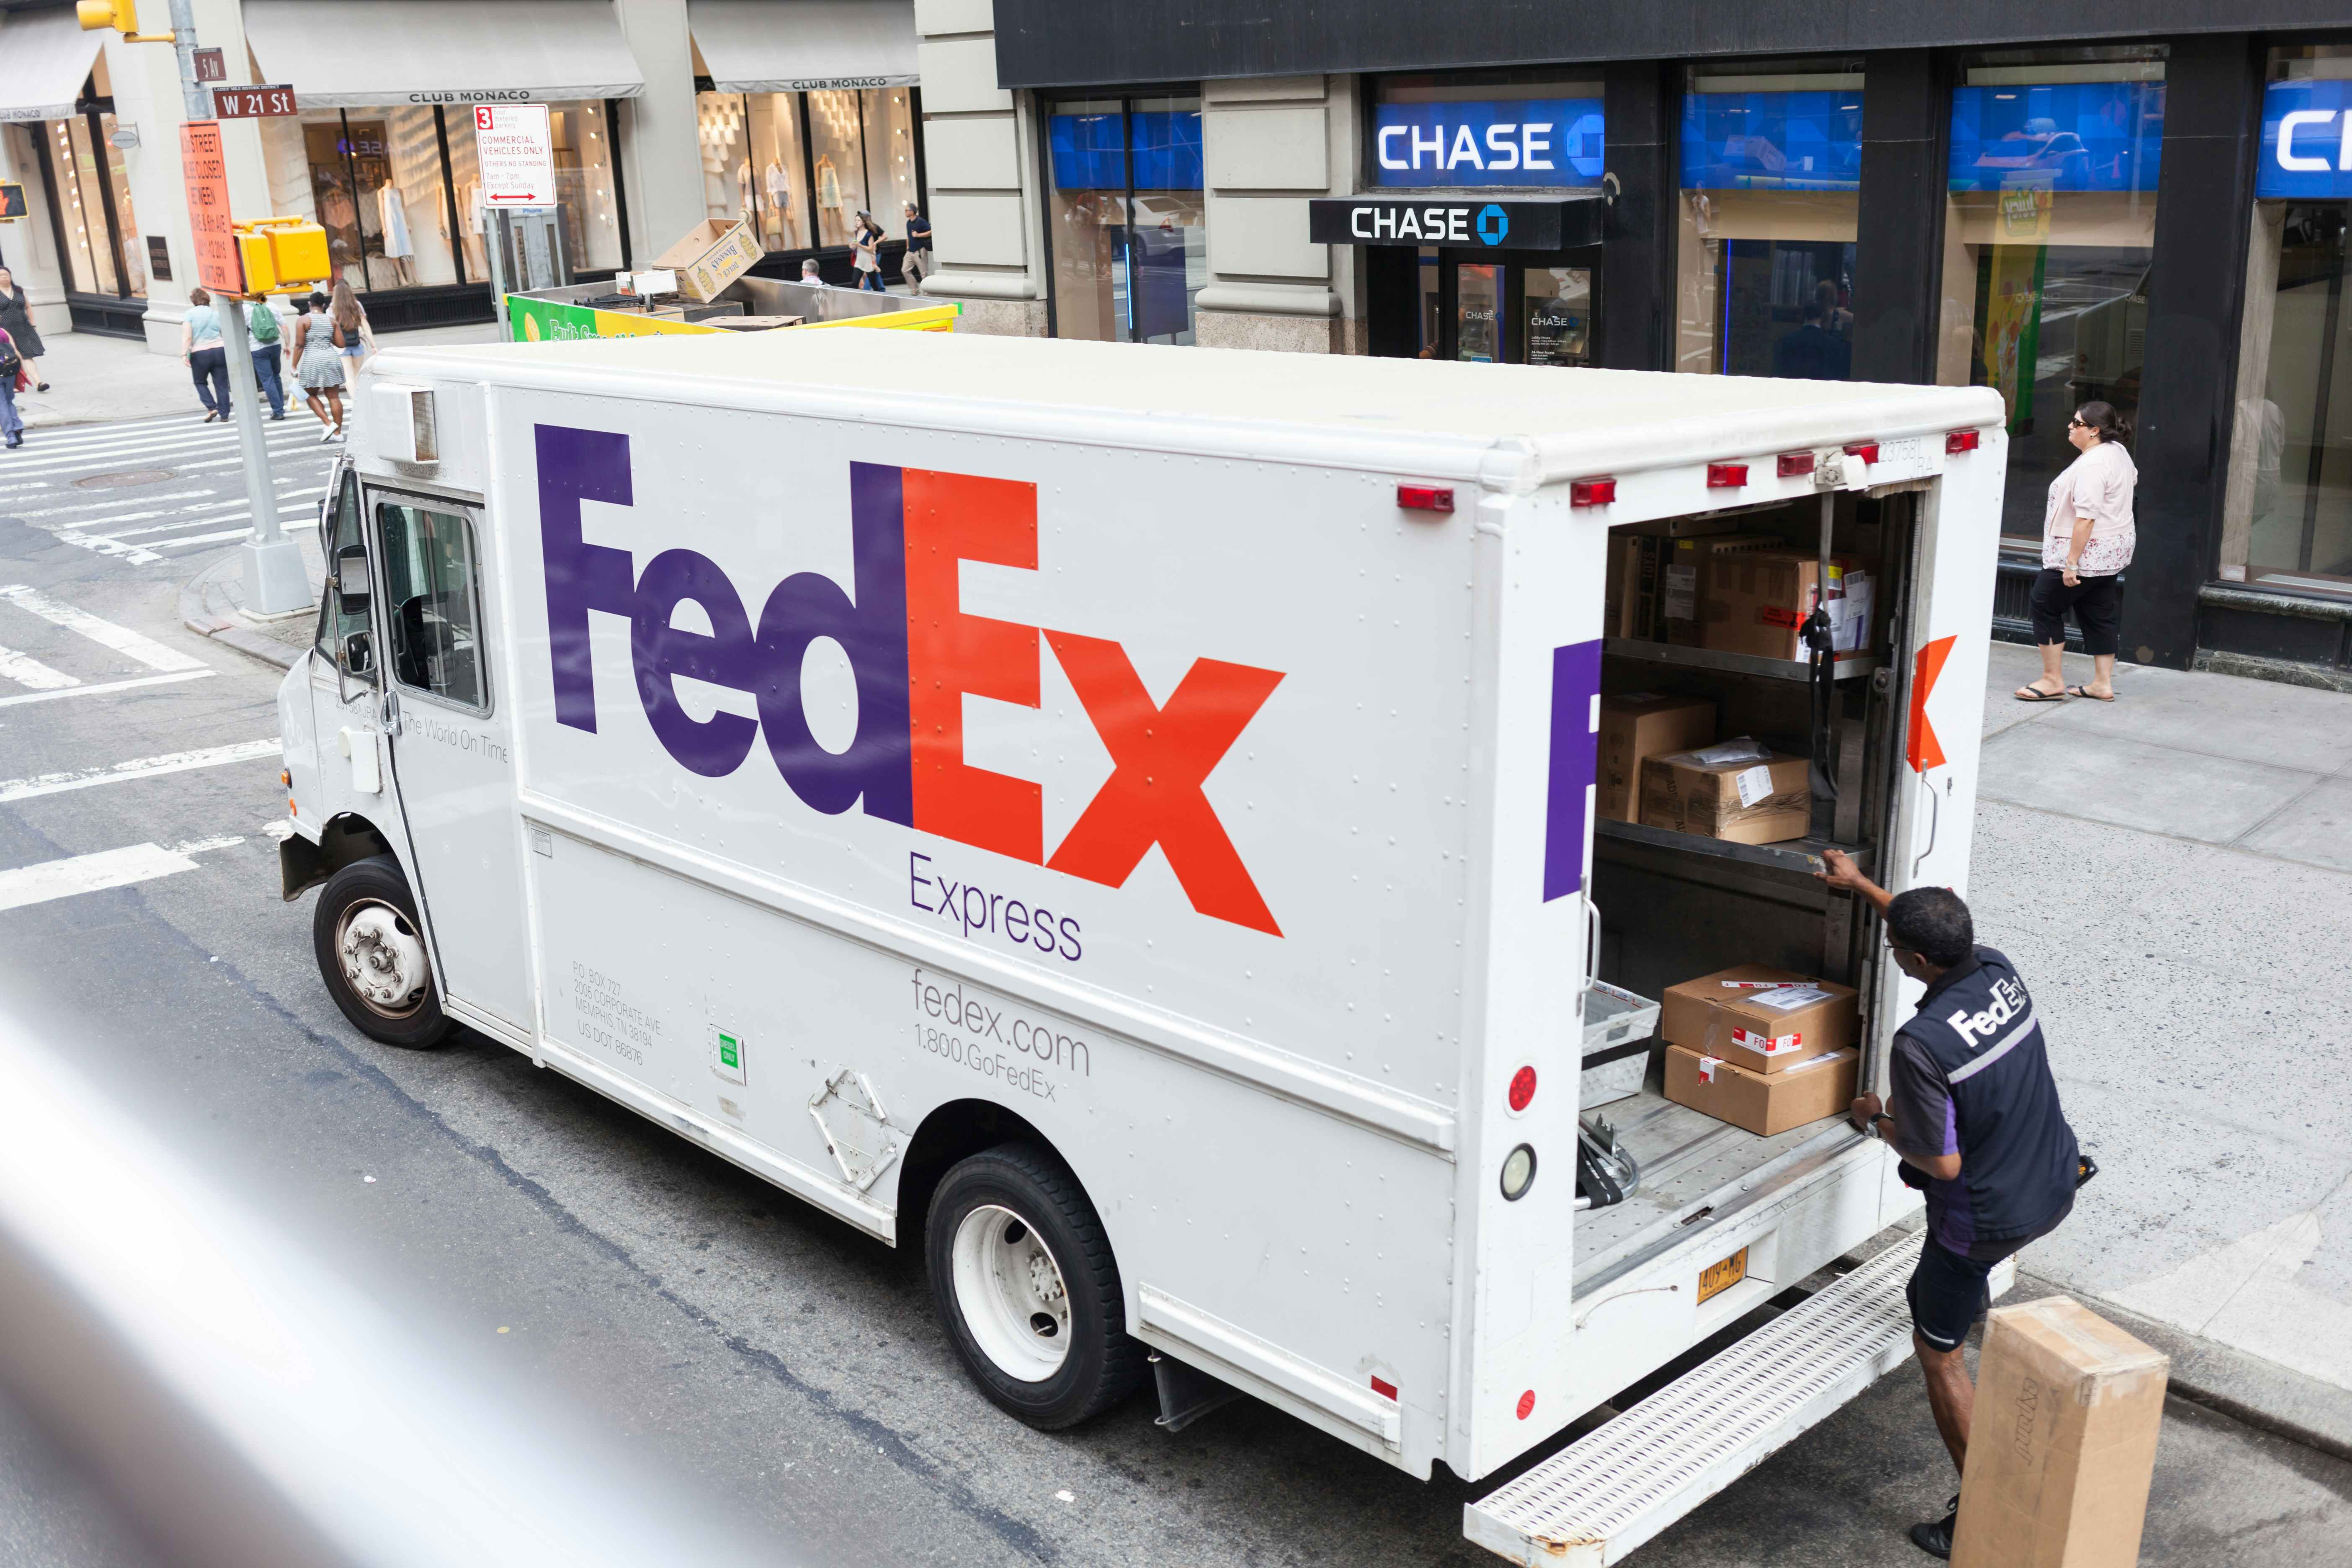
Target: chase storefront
(2149,206)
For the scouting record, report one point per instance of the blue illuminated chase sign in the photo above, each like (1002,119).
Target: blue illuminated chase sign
(1473,225)
(2307,140)
(1527,143)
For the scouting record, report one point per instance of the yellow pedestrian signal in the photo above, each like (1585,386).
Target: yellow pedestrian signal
(122,15)
(283,255)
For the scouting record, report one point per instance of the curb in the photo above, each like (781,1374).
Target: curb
(206,610)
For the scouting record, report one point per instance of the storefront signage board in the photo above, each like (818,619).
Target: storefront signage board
(2058,136)
(1491,226)
(1796,140)
(1523,143)
(517,150)
(2307,140)
(252,102)
(205,170)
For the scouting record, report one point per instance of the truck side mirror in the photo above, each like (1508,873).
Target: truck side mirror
(358,657)
(352,578)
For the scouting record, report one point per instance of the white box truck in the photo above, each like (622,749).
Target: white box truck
(1122,821)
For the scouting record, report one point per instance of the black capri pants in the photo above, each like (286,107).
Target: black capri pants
(2097,603)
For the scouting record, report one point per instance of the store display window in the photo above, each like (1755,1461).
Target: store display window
(2287,511)
(103,251)
(799,166)
(1771,187)
(1490,130)
(586,200)
(2049,239)
(1130,228)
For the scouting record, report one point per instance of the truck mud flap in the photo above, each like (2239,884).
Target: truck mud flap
(1611,1490)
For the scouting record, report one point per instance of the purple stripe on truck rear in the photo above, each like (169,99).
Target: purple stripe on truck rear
(1575,755)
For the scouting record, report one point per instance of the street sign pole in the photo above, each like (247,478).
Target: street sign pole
(275,579)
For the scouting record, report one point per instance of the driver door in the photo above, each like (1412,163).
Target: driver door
(346,689)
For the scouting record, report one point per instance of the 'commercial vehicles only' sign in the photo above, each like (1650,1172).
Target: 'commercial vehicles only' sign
(516,153)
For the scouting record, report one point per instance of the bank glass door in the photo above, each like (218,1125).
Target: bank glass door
(1534,309)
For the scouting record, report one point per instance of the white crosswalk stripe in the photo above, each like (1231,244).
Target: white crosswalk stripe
(26,670)
(138,768)
(99,688)
(121,640)
(37,884)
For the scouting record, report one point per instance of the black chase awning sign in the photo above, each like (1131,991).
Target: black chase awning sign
(1494,225)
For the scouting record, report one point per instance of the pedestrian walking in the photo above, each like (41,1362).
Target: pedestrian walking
(2086,541)
(355,339)
(202,351)
(16,320)
(268,347)
(319,365)
(810,277)
(14,378)
(917,265)
(867,256)
(1974,1118)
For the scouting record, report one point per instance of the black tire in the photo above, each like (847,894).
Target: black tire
(1100,1365)
(414,1020)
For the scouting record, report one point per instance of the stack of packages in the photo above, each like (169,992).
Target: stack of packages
(1760,1048)
(1739,791)
(1696,583)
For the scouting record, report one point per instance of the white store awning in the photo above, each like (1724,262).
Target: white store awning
(798,46)
(366,53)
(45,57)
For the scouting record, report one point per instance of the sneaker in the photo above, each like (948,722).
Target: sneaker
(15,441)
(277,418)
(325,436)
(210,416)
(338,432)
(1935,1537)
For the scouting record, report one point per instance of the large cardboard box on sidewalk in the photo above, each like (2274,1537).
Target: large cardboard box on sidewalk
(1763,1103)
(1756,601)
(2063,1443)
(1636,727)
(1766,1019)
(710,256)
(1744,801)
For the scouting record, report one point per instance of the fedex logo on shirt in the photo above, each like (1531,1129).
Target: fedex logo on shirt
(1978,1029)
(914,655)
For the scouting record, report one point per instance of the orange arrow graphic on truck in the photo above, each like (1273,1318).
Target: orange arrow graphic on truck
(1925,751)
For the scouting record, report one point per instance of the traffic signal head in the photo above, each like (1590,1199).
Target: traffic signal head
(122,15)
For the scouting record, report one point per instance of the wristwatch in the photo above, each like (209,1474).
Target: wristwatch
(1872,1125)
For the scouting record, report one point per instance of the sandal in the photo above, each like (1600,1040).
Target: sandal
(2086,691)
(2035,694)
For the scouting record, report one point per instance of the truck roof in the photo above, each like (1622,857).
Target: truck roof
(1512,426)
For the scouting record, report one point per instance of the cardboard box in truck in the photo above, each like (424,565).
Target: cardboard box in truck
(1684,580)
(1749,799)
(1756,601)
(1764,1103)
(1766,1019)
(1636,727)
(784,743)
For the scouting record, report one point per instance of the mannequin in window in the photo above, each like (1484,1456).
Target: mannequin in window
(743,190)
(777,214)
(828,191)
(391,216)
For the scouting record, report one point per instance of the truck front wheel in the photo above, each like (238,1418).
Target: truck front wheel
(1027,1286)
(372,954)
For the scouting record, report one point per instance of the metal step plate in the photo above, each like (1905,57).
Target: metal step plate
(1607,1493)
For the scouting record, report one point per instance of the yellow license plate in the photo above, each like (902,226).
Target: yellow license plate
(1717,1278)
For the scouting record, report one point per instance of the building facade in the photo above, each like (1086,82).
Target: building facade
(788,115)
(2142,204)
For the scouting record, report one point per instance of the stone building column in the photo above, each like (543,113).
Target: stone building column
(979,151)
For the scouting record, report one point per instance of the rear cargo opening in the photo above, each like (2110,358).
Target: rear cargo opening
(1706,609)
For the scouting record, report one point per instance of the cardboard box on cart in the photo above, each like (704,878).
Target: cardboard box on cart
(709,256)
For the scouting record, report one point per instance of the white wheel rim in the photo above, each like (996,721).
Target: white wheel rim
(384,962)
(1011,1294)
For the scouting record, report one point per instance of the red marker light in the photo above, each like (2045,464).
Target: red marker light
(1961,441)
(1725,476)
(1866,451)
(1591,492)
(1424,498)
(1793,464)
(1523,1088)
(1527,1403)
(1383,1387)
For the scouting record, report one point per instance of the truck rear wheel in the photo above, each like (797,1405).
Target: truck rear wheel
(372,954)
(1027,1286)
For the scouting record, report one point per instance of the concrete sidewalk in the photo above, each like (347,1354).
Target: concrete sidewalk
(2172,873)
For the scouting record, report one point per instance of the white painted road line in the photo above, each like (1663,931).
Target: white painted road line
(93,873)
(143,768)
(105,686)
(137,555)
(97,504)
(159,454)
(121,640)
(306,507)
(26,671)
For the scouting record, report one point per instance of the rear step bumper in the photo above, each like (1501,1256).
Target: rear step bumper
(1612,1490)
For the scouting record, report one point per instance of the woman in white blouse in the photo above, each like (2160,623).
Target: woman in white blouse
(2086,541)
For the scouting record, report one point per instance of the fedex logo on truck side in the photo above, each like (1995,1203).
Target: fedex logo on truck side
(914,655)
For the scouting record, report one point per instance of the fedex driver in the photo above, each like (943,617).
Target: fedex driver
(1976,1120)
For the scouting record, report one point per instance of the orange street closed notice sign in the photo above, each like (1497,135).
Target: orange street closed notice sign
(206,172)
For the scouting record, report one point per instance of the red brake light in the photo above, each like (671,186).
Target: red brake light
(1961,441)
(1424,498)
(1383,1387)
(1523,1088)
(1592,492)
(1725,476)
(1866,451)
(1792,464)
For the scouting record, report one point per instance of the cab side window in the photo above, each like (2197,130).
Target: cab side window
(432,603)
(343,636)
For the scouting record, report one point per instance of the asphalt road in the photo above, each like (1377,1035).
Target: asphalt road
(730,1340)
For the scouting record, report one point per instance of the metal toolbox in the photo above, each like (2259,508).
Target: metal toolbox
(1616,1021)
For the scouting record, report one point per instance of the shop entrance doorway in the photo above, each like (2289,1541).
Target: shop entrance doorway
(1485,306)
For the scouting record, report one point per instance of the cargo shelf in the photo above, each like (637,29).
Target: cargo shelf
(1799,855)
(1850,666)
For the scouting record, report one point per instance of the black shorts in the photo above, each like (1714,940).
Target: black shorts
(1948,1294)
(2097,603)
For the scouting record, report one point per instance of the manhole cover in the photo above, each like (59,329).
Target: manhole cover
(124,480)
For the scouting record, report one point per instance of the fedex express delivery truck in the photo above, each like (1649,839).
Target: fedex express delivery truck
(1125,822)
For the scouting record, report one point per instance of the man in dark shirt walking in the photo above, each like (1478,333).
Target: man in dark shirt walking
(1976,1120)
